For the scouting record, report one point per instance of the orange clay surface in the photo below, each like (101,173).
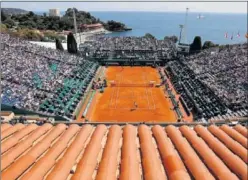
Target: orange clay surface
(118,103)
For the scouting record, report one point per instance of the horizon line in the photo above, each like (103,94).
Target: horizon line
(153,11)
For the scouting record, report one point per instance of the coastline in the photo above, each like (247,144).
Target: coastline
(122,30)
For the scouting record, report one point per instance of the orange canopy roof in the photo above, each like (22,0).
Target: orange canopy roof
(129,152)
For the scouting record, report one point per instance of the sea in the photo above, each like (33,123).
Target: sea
(219,28)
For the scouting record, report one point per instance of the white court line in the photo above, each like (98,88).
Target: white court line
(111,99)
(130,108)
(118,91)
(150,90)
(114,91)
(112,96)
(147,98)
(154,105)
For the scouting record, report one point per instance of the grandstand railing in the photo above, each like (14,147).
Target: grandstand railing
(178,124)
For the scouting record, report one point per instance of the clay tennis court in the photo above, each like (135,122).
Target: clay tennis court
(129,97)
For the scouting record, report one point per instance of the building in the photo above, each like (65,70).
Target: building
(90,27)
(54,12)
(50,45)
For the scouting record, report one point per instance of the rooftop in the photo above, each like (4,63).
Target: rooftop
(129,152)
(91,25)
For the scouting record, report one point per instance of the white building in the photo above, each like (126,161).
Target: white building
(51,45)
(54,12)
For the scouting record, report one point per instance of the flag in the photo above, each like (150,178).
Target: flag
(226,35)
(238,35)
(232,37)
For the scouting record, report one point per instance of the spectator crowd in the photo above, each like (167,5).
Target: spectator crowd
(129,47)
(198,98)
(212,82)
(33,77)
(224,71)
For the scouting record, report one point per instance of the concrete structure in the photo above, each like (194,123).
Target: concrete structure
(48,44)
(54,12)
(82,37)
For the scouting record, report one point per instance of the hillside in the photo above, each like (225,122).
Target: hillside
(31,20)
(13,11)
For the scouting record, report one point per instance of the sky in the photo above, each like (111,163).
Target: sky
(216,7)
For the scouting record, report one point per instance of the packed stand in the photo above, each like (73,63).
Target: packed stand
(128,47)
(198,98)
(34,76)
(224,71)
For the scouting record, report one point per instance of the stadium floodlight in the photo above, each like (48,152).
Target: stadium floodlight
(75,22)
(181,29)
(75,27)
(183,32)
(185,26)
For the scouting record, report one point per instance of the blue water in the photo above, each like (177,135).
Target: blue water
(160,24)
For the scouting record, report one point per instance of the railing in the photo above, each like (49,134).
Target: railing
(177,124)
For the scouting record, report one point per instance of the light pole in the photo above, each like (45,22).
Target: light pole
(181,27)
(75,26)
(185,26)
(75,22)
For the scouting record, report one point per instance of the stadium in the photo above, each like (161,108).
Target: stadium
(123,108)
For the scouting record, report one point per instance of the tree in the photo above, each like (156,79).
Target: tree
(3,16)
(208,44)
(29,24)
(173,38)
(30,14)
(148,35)
(65,24)
(71,44)
(69,12)
(3,28)
(196,45)
(114,26)
(43,22)
(59,45)
(32,35)
(41,26)
(9,23)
